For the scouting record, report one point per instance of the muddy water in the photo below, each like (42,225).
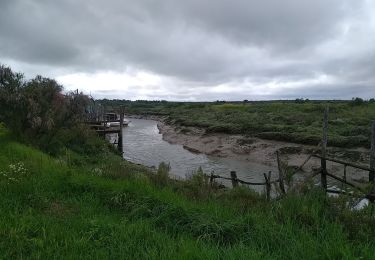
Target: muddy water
(144,144)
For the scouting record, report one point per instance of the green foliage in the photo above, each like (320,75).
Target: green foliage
(64,211)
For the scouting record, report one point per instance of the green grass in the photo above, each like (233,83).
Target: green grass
(67,211)
(349,125)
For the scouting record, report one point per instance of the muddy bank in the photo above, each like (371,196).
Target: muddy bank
(258,150)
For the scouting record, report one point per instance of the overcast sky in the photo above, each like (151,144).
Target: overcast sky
(195,49)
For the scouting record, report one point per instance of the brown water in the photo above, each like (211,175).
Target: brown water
(144,144)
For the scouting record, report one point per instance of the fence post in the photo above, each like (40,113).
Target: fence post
(211,179)
(233,176)
(324,149)
(104,121)
(372,156)
(268,185)
(281,173)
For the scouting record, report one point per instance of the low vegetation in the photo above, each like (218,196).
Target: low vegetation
(297,121)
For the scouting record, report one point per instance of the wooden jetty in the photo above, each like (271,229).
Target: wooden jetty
(107,122)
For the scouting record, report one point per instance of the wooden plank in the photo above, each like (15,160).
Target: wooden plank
(324,149)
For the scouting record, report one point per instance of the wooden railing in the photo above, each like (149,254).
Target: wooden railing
(324,158)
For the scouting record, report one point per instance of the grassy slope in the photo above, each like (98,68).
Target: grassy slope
(61,211)
(301,123)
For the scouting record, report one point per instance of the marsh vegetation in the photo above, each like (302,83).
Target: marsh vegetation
(293,121)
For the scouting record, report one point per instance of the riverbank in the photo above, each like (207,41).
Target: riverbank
(259,150)
(287,121)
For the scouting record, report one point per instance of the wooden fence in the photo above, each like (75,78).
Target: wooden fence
(235,181)
(370,195)
(360,192)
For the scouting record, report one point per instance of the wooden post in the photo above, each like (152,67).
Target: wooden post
(268,185)
(119,142)
(372,156)
(211,179)
(105,121)
(345,172)
(281,173)
(233,176)
(324,149)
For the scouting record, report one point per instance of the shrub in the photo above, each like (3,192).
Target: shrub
(357,101)
(199,183)
(198,178)
(162,174)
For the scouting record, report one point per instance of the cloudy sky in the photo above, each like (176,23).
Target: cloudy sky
(195,49)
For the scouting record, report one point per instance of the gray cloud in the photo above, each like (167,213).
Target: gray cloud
(199,45)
